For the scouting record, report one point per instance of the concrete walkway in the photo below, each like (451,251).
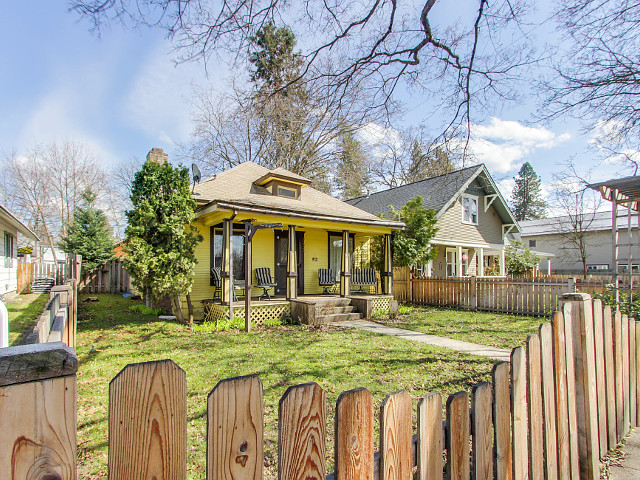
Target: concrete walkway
(630,468)
(465,347)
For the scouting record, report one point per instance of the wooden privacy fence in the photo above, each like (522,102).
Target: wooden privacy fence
(526,296)
(550,413)
(109,278)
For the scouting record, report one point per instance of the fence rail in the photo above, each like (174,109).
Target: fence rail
(554,410)
(526,295)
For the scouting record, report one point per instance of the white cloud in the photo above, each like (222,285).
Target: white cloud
(158,102)
(502,144)
(375,134)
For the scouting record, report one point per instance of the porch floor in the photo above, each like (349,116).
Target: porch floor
(281,299)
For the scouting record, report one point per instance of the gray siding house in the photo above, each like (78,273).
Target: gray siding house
(10,227)
(474,221)
(555,235)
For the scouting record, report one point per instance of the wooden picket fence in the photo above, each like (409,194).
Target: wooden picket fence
(525,296)
(550,413)
(109,278)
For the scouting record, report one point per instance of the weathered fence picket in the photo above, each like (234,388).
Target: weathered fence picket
(543,417)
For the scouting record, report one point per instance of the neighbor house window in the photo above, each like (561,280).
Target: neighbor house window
(237,253)
(335,252)
(532,244)
(597,267)
(8,249)
(470,209)
(451,262)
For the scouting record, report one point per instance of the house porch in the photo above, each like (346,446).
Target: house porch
(306,309)
(463,260)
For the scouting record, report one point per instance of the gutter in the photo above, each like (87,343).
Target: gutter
(234,207)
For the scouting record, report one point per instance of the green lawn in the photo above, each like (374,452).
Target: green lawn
(23,311)
(110,336)
(486,328)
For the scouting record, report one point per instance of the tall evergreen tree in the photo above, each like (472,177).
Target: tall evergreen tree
(89,235)
(527,195)
(160,242)
(352,176)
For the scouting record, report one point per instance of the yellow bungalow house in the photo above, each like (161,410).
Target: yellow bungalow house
(255,218)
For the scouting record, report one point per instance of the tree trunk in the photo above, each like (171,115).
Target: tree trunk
(190,307)
(177,309)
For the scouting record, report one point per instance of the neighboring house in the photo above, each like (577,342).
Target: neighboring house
(11,226)
(558,236)
(474,221)
(311,236)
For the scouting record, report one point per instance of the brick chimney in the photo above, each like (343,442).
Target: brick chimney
(157,155)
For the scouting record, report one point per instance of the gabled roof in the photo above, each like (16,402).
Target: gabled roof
(438,193)
(624,190)
(237,188)
(11,219)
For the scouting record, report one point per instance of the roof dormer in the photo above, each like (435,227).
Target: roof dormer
(283,183)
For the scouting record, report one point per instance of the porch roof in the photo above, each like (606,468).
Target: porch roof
(237,188)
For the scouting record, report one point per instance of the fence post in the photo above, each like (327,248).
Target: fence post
(585,378)
(38,411)
(571,285)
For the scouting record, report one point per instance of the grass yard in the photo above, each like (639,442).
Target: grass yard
(486,328)
(23,311)
(110,336)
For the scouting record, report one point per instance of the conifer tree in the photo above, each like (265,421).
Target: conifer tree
(160,242)
(527,196)
(352,176)
(89,235)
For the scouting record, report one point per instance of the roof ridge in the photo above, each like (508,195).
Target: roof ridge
(418,181)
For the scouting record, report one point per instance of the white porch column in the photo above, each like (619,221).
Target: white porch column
(480,257)
(429,268)
(548,265)
(459,261)
(503,266)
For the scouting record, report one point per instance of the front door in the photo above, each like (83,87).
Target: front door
(281,255)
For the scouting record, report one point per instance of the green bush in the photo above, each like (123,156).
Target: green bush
(225,324)
(404,309)
(608,298)
(144,310)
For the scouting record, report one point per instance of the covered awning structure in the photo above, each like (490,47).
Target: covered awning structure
(624,195)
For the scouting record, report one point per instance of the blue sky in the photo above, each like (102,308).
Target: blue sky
(122,95)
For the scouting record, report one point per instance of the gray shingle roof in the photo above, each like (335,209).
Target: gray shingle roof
(592,222)
(435,191)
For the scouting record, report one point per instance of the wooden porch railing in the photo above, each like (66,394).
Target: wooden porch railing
(551,412)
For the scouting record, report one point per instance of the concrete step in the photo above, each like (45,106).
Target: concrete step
(338,317)
(335,301)
(332,310)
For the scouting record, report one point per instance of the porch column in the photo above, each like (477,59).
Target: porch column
(387,275)
(459,261)
(345,273)
(248,237)
(548,265)
(292,266)
(480,272)
(226,263)
(503,266)
(429,268)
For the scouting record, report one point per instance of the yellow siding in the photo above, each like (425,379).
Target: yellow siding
(451,228)
(263,246)
(201,289)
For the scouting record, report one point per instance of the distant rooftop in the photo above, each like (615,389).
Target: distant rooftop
(593,222)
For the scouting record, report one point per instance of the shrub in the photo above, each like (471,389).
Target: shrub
(144,310)
(608,298)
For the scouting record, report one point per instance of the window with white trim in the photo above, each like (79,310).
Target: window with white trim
(9,241)
(470,209)
(451,262)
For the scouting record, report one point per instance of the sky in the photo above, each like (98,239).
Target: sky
(121,94)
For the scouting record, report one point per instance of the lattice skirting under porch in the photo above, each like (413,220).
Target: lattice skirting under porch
(259,313)
(381,303)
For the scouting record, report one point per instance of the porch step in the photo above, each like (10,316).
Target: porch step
(331,309)
(332,301)
(338,317)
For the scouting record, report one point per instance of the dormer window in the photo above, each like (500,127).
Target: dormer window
(282,183)
(470,209)
(287,192)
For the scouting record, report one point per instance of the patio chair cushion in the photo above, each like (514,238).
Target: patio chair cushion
(364,277)
(326,277)
(263,278)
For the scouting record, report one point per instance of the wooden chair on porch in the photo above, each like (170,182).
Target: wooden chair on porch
(216,277)
(326,279)
(264,281)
